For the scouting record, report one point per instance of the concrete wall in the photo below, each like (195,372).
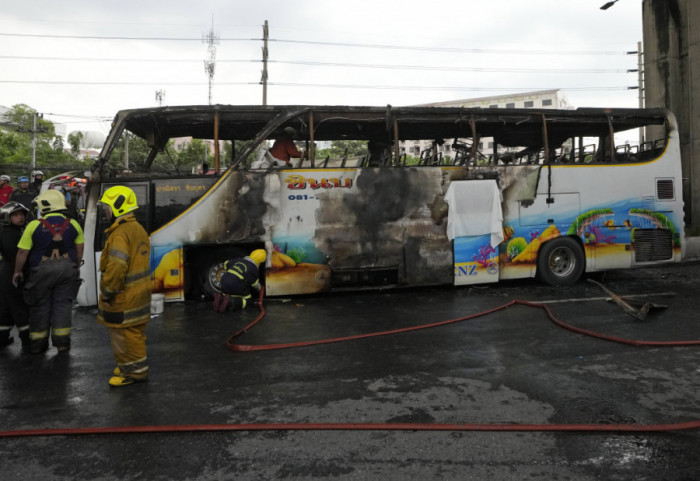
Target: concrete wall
(672,80)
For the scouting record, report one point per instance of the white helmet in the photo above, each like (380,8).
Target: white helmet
(6,178)
(37,172)
(50,201)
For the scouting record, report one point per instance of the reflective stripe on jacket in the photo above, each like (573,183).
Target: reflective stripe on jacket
(125,285)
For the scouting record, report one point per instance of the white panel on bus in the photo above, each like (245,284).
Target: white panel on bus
(563,208)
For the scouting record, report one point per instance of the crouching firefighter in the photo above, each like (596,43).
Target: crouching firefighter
(241,276)
(124,305)
(13,310)
(53,246)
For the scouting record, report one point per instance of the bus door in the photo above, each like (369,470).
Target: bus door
(475,225)
(142,214)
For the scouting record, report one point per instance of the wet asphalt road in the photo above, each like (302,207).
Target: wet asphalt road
(513,366)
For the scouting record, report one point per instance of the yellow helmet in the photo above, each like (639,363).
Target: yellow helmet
(50,201)
(121,199)
(258,256)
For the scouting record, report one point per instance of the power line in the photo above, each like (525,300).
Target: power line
(468,89)
(96,59)
(451,69)
(100,37)
(317,85)
(75,82)
(335,44)
(455,49)
(92,117)
(337,64)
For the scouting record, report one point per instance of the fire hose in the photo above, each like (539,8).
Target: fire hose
(494,427)
(267,347)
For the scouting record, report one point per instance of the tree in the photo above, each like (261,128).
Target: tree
(138,151)
(337,148)
(16,142)
(58,144)
(74,140)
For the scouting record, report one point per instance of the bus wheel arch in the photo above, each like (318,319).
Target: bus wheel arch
(561,261)
(206,264)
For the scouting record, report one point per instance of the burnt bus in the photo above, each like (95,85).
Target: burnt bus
(554,194)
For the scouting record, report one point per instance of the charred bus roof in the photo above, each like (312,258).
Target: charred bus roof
(509,127)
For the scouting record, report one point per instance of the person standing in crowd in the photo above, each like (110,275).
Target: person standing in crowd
(37,180)
(240,278)
(5,189)
(54,248)
(24,193)
(124,305)
(284,149)
(13,310)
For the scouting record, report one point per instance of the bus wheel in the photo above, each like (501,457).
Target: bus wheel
(210,279)
(560,262)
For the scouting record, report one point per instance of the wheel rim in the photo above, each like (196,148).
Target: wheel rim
(562,262)
(214,275)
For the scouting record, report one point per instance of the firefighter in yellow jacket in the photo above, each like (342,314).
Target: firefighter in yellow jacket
(125,286)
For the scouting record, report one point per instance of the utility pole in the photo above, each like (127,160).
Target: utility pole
(34,131)
(263,80)
(33,142)
(640,80)
(126,150)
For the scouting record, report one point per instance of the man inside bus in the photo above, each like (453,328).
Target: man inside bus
(284,148)
(240,278)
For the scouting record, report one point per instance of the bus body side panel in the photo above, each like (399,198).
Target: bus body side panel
(87,294)
(218,217)
(167,271)
(372,226)
(518,185)
(538,222)
(630,214)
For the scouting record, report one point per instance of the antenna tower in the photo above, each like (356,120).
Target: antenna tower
(212,40)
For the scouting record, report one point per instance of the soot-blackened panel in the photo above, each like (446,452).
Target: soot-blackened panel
(368,227)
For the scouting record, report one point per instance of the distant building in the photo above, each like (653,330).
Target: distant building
(85,154)
(4,124)
(541,99)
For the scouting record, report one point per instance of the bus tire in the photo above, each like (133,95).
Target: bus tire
(208,265)
(210,279)
(560,262)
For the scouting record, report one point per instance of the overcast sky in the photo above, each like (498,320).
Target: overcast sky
(401,52)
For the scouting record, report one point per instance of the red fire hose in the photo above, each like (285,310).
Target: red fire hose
(267,347)
(188,428)
(619,428)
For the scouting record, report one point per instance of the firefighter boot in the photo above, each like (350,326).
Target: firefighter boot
(217,301)
(224,305)
(123,380)
(117,381)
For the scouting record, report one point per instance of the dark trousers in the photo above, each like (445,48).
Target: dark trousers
(13,310)
(49,293)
